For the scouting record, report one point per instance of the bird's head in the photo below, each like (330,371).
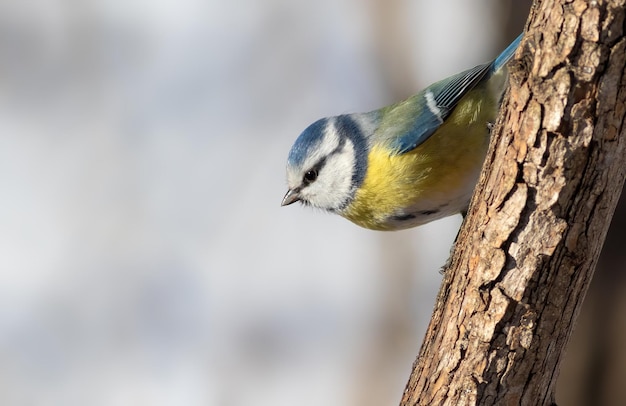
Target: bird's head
(327,163)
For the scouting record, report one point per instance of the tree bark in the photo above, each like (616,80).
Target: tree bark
(528,248)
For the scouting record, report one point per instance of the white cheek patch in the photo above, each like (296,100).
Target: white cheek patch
(333,186)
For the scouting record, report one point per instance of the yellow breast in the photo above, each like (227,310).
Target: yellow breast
(434,180)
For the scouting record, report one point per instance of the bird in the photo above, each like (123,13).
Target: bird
(405,164)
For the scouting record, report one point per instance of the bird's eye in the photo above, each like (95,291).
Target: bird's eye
(310,176)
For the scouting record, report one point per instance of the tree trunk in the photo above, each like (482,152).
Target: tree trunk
(531,240)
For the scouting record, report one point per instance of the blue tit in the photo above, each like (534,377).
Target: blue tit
(405,164)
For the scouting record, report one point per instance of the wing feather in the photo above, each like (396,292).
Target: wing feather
(433,106)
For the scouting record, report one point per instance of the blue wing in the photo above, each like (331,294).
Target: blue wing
(421,115)
(434,105)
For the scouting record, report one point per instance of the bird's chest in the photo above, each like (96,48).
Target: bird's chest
(409,190)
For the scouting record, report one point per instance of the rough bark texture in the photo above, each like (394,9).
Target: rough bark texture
(529,246)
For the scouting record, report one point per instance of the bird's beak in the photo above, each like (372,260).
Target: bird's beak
(292,196)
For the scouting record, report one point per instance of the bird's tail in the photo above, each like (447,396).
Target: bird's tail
(506,55)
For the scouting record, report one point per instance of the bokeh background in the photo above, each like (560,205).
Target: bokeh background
(144,257)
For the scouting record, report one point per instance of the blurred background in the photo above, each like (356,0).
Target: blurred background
(144,256)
